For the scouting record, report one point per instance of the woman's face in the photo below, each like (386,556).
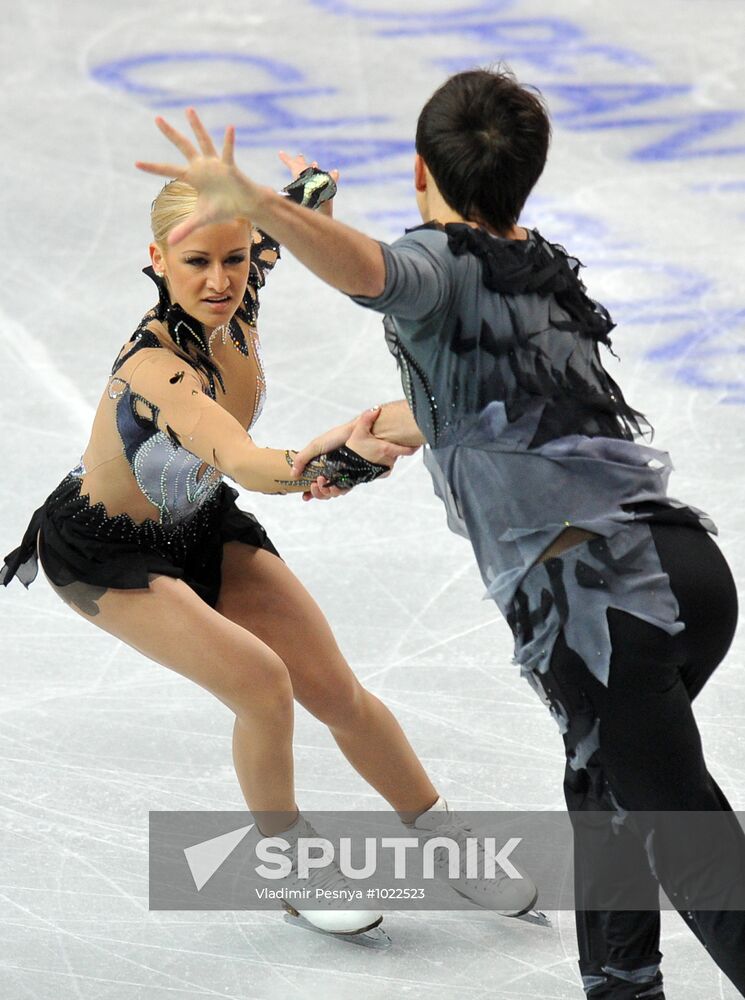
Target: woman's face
(207,272)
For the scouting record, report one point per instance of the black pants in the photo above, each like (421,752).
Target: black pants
(650,758)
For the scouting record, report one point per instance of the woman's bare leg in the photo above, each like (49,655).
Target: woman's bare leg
(170,624)
(263,596)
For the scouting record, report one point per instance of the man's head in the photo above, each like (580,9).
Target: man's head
(484,140)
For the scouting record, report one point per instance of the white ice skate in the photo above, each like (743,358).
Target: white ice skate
(509,897)
(361,927)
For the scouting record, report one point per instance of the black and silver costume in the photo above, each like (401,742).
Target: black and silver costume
(167,510)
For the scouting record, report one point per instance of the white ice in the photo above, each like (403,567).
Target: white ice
(647,188)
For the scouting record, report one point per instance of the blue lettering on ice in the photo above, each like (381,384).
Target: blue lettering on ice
(683,142)
(717,339)
(346,8)
(707,342)
(339,153)
(552,43)
(718,187)
(600,98)
(613,53)
(679,347)
(562,61)
(119,73)
(525,33)
(268,107)
(683,286)
(589,105)
(383,179)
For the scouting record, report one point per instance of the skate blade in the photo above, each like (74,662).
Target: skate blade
(529,916)
(373,937)
(534,917)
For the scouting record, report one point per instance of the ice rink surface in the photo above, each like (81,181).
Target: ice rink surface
(644,183)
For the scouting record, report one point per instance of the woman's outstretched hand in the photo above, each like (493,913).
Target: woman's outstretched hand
(224,192)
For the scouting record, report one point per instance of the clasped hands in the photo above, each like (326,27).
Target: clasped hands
(357,435)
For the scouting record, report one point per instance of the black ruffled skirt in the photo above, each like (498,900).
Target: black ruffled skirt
(80,542)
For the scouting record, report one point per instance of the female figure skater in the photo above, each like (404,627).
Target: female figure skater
(144,539)
(620,602)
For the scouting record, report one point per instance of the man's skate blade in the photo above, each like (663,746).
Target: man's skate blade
(534,917)
(374,937)
(531,916)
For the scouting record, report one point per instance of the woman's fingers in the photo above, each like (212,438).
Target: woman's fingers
(161,169)
(206,146)
(304,456)
(184,229)
(203,137)
(295,164)
(291,161)
(320,490)
(228,146)
(178,140)
(179,233)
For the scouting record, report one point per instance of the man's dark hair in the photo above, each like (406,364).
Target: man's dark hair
(485,140)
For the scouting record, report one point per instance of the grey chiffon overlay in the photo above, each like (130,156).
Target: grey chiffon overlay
(528,434)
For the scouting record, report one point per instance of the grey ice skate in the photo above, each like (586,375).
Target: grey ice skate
(509,897)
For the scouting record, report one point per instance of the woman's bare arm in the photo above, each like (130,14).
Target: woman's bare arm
(196,422)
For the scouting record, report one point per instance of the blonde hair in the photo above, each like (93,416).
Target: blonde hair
(175,202)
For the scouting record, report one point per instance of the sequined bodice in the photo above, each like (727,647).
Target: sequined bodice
(169,476)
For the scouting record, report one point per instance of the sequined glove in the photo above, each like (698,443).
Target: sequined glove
(311,188)
(344,468)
